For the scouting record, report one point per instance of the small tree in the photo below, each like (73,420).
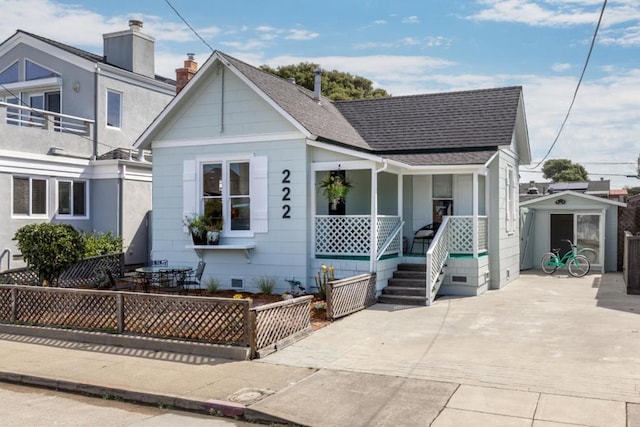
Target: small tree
(50,249)
(564,170)
(98,243)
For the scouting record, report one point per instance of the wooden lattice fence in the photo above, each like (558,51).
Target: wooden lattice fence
(278,324)
(231,322)
(349,295)
(202,319)
(86,273)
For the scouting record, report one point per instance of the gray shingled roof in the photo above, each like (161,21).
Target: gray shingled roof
(479,157)
(468,119)
(321,119)
(87,55)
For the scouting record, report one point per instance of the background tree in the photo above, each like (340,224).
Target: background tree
(564,170)
(50,249)
(336,85)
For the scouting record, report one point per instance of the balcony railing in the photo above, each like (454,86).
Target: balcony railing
(19,115)
(350,235)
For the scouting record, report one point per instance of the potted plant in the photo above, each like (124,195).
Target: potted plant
(335,188)
(214,231)
(198,226)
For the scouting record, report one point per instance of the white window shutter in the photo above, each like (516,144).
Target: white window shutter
(259,195)
(189,188)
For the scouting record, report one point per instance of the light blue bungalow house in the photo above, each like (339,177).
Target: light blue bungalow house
(253,148)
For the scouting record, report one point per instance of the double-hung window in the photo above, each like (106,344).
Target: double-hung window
(226,196)
(114,109)
(29,196)
(72,198)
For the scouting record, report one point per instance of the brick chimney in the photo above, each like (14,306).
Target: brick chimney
(183,75)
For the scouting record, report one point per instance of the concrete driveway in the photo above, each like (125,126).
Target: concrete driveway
(549,334)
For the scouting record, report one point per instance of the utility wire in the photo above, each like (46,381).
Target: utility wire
(575,93)
(188,25)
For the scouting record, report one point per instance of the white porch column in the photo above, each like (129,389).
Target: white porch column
(475,215)
(400,211)
(374,220)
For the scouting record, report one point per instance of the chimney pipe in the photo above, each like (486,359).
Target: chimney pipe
(183,75)
(317,83)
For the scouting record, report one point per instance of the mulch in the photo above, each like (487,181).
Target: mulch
(317,311)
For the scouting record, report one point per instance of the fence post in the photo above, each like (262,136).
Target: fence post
(14,304)
(120,311)
(329,296)
(251,331)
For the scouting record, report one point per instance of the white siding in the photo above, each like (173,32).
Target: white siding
(504,247)
(244,112)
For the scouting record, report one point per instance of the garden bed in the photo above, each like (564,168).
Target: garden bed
(317,308)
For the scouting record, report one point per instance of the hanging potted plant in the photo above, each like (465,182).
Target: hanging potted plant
(335,188)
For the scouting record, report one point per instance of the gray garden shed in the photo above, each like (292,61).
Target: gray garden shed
(589,221)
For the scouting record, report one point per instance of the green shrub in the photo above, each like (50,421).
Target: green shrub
(50,249)
(97,243)
(267,284)
(213,285)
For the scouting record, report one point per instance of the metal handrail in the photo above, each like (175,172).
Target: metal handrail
(6,252)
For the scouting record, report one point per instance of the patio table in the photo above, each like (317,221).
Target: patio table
(175,274)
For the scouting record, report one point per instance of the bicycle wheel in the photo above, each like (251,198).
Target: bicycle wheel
(579,266)
(549,263)
(591,255)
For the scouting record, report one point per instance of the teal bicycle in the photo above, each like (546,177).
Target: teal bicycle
(578,265)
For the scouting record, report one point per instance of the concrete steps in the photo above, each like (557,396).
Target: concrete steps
(408,286)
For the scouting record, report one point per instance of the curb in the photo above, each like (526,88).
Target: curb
(210,407)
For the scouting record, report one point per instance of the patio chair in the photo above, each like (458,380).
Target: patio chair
(163,262)
(425,235)
(195,278)
(120,285)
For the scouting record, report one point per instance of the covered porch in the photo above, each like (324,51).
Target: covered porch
(388,204)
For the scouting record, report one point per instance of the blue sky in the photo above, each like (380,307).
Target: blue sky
(409,47)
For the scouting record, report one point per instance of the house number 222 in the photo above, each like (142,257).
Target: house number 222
(286,194)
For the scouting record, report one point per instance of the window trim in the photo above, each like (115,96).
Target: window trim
(9,66)
(226,198)
(120,116)
(510,201)
(57,74)
(30,214)
(71,216)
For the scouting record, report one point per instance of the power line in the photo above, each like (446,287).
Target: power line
(188,25)
(575,93)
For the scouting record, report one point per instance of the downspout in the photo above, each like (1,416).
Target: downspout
(374,216)
(95,111)
(120,219)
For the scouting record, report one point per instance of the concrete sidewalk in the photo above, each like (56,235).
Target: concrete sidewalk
(546,350)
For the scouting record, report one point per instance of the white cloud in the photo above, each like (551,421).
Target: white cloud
(559,67)
(380,22)
(558,12)
(301,35)
(245,44)
(409,41)
(411,20)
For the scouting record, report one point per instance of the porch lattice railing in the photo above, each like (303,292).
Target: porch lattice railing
(455,235)
(350,235)
(461,230)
